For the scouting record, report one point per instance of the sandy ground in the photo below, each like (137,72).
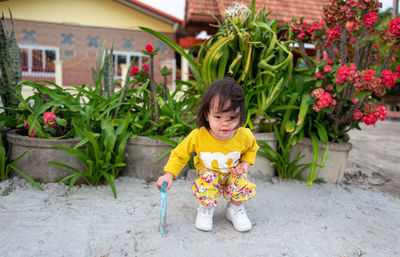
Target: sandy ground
(290,219)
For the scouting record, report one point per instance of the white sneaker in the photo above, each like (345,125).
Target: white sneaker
(238,216)
(204,220)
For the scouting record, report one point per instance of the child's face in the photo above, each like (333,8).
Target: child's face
(223,125)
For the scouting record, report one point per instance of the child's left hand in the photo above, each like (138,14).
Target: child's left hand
(240,168)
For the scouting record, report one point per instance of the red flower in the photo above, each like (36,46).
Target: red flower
(134,70)
(333,34)
(328,61)
(394,26)
(301,35)
(380,112)
(48,117)
(388,78)
(354,100)
(376,46)
(398,70)
(368,74)
(370,18)
(352,40)
(342,74)
(149,48)
(370,119)
(145,68)
(357,114)
(26,126)
(324,100)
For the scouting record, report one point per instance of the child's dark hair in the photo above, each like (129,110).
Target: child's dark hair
(226,89)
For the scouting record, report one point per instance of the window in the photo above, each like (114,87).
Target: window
(38,61)
(126,58)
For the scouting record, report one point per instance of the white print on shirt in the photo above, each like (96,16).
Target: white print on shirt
(221,159)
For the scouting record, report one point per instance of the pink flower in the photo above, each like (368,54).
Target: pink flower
(26,126)
(351,26)
(388,78)
(370,18)
(145,68)
(316,108)
(134,70)
(352,3)
(328,68)
(324,100)
(393,59)
(33,134)
(354,100)
(368,74)
(316,93)
(319,75)
(357,114)
(149,48)
(394,26)
(48,117)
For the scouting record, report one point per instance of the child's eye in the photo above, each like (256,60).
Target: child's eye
(217,117)
(234,117)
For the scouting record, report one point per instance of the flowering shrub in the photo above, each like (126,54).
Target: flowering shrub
(354,66)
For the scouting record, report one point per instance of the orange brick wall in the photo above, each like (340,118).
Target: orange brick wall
(77,67)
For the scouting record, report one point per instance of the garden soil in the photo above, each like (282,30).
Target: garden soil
(361,217)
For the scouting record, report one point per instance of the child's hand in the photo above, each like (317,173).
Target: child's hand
(240,168)
(167,177)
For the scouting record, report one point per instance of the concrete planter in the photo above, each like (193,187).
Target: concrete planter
(262,167)
(35,162)
(335,165)
(141,152)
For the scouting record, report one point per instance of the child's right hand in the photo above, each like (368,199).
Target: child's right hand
(167,177)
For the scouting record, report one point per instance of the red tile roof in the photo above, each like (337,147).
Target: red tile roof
(199,11)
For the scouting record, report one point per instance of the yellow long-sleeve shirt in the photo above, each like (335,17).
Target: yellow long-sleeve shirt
(212,153)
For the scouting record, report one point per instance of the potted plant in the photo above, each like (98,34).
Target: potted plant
(77,135)
(247,49)
(354,66)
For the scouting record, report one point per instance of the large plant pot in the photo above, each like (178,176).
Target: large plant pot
(262,167)
(335,165)
(141,152)
(35,162)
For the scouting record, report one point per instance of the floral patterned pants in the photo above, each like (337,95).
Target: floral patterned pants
(209,186)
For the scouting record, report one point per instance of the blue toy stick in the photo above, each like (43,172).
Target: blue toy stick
(163,208)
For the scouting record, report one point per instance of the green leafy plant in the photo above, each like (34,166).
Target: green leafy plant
(246,48)
(5,167)
(11,72)
(102,154)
